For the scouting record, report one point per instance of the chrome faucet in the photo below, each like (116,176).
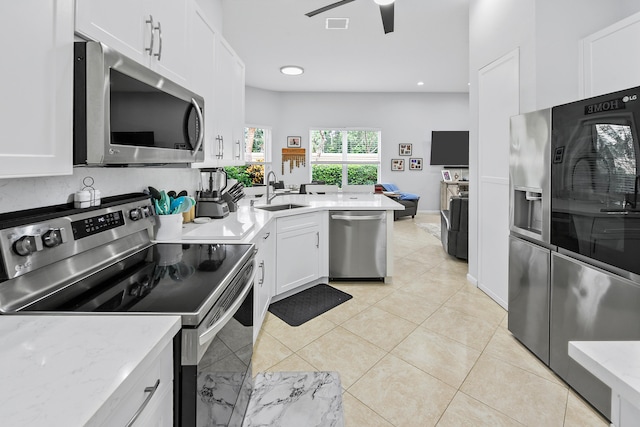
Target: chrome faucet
(270,197)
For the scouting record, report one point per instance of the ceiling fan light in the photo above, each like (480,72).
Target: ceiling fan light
(383,2)
(291,70)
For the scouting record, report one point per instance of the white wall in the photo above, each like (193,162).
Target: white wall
(547,33)
(401,117)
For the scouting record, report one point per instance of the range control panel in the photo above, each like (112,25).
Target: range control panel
(96,224)
(28,247)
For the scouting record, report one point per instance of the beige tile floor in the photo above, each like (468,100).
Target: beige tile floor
(429,349)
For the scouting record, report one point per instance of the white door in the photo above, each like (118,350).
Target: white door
(499,99)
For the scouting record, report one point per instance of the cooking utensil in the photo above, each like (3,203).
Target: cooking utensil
(155,194)
(171,194)
(182,193)
(164,203)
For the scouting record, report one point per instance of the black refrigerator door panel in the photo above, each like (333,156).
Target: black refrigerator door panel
(589,304)
(529,296)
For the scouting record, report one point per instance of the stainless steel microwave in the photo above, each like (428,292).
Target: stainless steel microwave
(126,114)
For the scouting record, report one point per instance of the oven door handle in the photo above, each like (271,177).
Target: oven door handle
(211,332)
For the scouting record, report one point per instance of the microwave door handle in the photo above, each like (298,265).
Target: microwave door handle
(201,120)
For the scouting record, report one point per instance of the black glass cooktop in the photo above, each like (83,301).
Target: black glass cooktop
(165,278)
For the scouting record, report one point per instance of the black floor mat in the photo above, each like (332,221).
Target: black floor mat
(304,306)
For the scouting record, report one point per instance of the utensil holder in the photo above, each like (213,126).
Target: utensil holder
(168,227)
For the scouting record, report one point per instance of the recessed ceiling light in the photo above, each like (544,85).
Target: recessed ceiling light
(420,83)
(384,2)
(291,70)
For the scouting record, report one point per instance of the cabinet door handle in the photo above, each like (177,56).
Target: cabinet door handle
(159,54)
(317,239)
(151,31)
(261,281)
(220,145)
(151,390)
(239,148)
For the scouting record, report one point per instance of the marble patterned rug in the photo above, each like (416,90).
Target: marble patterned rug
(294,399)
(431,228)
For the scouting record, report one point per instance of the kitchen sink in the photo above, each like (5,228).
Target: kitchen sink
(280,207)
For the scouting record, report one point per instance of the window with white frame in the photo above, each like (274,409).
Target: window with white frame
(257,156)
(345,156)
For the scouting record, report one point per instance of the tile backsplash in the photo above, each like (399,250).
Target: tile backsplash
(25,193)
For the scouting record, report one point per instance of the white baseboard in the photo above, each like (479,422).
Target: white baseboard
(472,280)
(493,296)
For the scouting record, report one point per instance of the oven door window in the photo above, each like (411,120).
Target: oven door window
(595,205)
(224,373)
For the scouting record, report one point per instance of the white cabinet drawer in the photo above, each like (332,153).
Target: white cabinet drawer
(140,396)
(298,222)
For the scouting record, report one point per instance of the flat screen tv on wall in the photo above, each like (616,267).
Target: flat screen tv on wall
(450,148)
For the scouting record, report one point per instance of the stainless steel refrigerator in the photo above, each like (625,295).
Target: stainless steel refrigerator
(595,224)
(529,224)
(574,273)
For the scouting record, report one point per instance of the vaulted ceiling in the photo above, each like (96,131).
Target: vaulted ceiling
(429,44)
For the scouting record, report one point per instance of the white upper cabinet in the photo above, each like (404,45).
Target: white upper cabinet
(177,40)
(203,38)
(218,74)
(237,109)
(228,105)
(152,32)
(36,118)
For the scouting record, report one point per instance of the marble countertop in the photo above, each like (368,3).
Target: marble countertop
(615,363)
(60,370)
(243,225)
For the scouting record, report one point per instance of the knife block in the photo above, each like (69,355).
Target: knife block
(233,206)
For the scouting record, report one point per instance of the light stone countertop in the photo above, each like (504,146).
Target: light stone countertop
(60,370)
(248,221)
(615,363)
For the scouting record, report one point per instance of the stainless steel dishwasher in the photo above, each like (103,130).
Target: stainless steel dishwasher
(357,244)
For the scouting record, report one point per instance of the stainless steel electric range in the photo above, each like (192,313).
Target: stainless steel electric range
(61,260)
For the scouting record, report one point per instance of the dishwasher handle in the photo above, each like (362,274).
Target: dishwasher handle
(358,218)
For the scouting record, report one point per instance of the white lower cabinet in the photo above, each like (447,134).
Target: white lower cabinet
(146,396)
(264,283)
(299,249)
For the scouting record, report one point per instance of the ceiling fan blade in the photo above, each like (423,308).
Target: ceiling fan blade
(387,17)
(329,7)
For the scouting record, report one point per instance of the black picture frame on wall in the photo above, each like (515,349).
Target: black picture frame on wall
(397,165)
(415,163)
(294,142)
(405,149)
